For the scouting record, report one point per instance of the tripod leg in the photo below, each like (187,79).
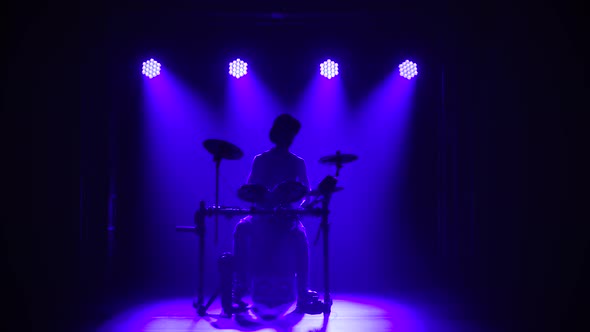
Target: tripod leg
(226,271)
(202,310)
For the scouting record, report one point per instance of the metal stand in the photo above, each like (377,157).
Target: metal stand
(225,150)
(200,230)
(225,288)
(325,227)
(225,267)
(338,164)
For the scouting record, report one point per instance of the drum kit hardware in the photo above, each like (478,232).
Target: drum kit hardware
(220,150)
(316,192)
(273,202)
(338,160)
(282,194)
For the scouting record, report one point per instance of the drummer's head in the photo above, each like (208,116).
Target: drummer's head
(284,129)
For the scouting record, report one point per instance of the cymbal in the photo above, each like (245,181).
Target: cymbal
(339,158)
(222,149)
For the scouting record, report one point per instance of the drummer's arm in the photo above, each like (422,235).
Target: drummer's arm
(302,176)
(255,172)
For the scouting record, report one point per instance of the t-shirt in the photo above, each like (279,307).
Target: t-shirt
(275,166)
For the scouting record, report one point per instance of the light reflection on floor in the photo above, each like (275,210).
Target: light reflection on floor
(349,314)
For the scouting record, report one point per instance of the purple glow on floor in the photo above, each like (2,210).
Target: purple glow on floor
(349,313)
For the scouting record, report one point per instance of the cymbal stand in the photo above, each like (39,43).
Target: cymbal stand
(325,227)
(338,164)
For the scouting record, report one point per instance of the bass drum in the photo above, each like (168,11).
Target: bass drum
(272,296)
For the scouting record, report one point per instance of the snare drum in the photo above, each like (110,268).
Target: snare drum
(253,193)
(288,192)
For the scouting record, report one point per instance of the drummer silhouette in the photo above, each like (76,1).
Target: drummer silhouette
(274,247)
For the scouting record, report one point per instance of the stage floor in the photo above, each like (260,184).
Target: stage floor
(350,313)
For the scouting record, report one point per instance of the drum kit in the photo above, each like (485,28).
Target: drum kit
(274,202)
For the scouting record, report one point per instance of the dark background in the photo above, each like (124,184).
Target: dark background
(512,244)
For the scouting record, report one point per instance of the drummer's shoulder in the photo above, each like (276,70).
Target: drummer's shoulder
(261,156)
(297,157)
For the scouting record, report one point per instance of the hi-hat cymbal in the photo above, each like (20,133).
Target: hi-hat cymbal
(222,149)
(339,158)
